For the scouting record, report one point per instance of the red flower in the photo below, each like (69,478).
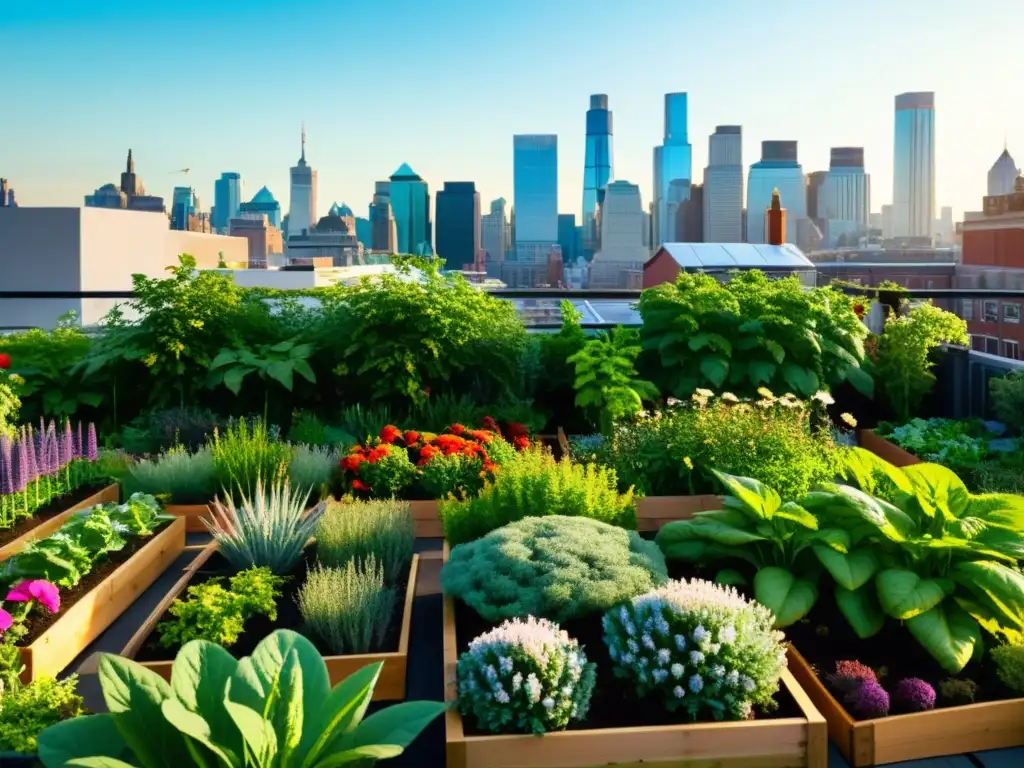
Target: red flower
(359,485)
(859,310)
(521,443)
(389,434)
(490,424)
(378,453)
(516,429)
(426,391)
(427,453)
(5,360)
(489,466)
(457,429)
(411,437)
(449,444)
(351,463)
(481,435)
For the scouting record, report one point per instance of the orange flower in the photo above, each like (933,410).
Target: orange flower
(378,453)
(351,463)
(427,452)
(359,485)
(411,437)
(449,444)
(389,434)
(482,435)
(457,429)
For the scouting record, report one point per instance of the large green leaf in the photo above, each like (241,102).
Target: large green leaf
(803,380)
(788,597)
(948,633)
(683,540)
(863,468)
(776,350)
(97,762)
(196,727)
(715,369)
(89,736)
(224,357)
(340,713)
(305,371)
(715,341)
(833,538)
(1001,509)
(721,533)
(861,380)
(861,609)
(394,726)
(760,371)
(903,594)
(731,577)
(257,732)
(755,497)
(233,377)
(1004,588)
(851,571)
(796,514)
(890,521)
(281,372)
(938,491)
(199,678)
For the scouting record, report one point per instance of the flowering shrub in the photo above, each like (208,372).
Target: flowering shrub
(697,646)
(10,403)
(913,695)
(525,676)
(868,701)
(21,599)
(851,675)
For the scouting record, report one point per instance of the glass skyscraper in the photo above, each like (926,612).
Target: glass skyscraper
(535,184)
(673,171)
(410,204)
(597,172)
(723,186)
(844,199)
(913,188)
(227,199)
(458,224)
(777,169)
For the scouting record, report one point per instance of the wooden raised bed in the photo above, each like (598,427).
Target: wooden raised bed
(652,512)
(109,495)
(194,515)
(88,618)
(390,685)
(893,739)
(793,742)
(886,450)
(427,515)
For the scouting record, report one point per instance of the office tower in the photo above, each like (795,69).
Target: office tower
(410,204)
(227,199)
(263,202)
(535,184)
(913,189)
(622,237)
(597,172)
(384,234)
(723,187)
(844,200)
(887,222)
(186,211)
(673,169)
(131,194)
(1002,175)
(567,236)
(944,226)
(302,208)
(692,215)
(779,170)
(494,231)
(7,195)
(815,181)
(364,232)
(458,224)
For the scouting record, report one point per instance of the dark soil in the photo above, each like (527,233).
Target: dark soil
(288,615)
(40,621)
(47,511)
(614,703)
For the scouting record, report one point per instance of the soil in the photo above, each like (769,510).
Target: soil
(288,615)
(50,510)
(614,703)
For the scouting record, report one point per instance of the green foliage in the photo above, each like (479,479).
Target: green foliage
(243,454)
(269,709)
(557,568)
(1008,399)
(957,692)
(1009,661)
(382,529)
(389,475)
(308,429)
(362,422)
(349,608)
(278,362)
(161,429)
(751,332)
(313,468)
(270,529)
(183,477)
(607,384)
(903,367)
(217,613)
(10,407)
(440,411)
(28,710)
(532,485)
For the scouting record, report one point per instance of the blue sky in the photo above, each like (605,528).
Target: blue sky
(225,85)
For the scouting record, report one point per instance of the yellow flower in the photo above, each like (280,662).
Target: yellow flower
(765,392)
(687,462)
(848,418)
(823,397)
(150,360)
(16,379)
(729,397)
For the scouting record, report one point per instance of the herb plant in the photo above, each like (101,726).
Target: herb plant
(180,476)
(349,608)
(243,454)
(313,468)
(28,710)
(382,529)
(1008,399)
(1009,661)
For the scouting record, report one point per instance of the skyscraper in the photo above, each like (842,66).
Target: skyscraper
(673,170)
(384,235)
(567,236)
(1002,175)
(264,202)
(913,189)
(410,203)
(458,224)
(535,184)
(7,195)
(844,200)
(597,171)
(779,170)
(723,186)
(227,199)
(302,210)
(494,231)
(622,236)
(691,213)
(186,213)
(815,181)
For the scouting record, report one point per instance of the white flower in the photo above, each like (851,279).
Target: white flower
(505,664)
(677,671)
(700,634)
(567,690)
(680,643)
(823,397)
(678,692)
(696,657)
(626,659)
(632,645)
(501,697)
(717,671)
(648,641)
(659,675)
(533,688)
(704,392)
(548,703)
(714,648)
(663,656)
(517,682)
(748,684)
(732,679)
(696,683)
(491,673)
(729,397)
(727,634)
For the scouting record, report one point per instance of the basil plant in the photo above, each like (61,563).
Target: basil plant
(274,709)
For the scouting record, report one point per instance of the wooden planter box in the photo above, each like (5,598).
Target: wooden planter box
(427,515)
(886,450)
(652,512)
(893,739)
(194,515)
(794,742)
(109,495)
(390,685)
(87,619)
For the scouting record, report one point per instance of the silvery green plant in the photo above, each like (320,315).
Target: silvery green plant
(187,478)
(269,710)
(698,646)
(385,530)
(311,467)
(525,676)
(270,529)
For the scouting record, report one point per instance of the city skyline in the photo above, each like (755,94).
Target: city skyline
(173,123)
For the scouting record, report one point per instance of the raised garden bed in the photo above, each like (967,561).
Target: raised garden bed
(52,516)
(886,450)
(99,599)
(145,648)
(194,515)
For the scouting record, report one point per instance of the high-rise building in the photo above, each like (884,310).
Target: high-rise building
(227,199)
(567,236)
(384,235)
(722,203)
(494,232)
(1003,175)
(692,214)
(131,194)
(364,232)
(622,237)
(458,224)
(913,189)
(535,182)
(944,226)
(673,169)
(263,202)
(779,170)
(302,208)
(597,172)
(844,200)
(410,203)
(7,195)
(186,213)
(887,222)
(815,181)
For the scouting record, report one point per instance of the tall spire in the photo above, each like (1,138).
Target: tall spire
(131,163)
(303,158)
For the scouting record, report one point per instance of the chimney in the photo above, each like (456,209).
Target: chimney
(775,220)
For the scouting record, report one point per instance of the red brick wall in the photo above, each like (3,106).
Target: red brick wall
(661,269)
(994,247)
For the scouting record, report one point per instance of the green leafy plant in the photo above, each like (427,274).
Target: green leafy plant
(1009,661)
(1008,399)
(183,477)
(385,530)
(162,429)
(217,613)
(349,608)
(607,383)
(28,710)
(10,406)
(244,453)
(557,568)
(278,362)
(273,708)
(313,468)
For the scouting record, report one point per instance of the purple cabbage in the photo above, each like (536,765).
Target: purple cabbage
(91,452)
(913,695)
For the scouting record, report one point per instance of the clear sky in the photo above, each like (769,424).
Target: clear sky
(220,85)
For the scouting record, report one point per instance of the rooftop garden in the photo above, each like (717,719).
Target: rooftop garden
(663,527)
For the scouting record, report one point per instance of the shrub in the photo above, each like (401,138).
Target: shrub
(958,692)
(1008,399)
(1009,661)
(307,429)
(536,485)
(913,695)
(557,568)
(242,455)
(384,530)
(186,478)
(311,468)
(851,675)
(697,646)
(162,429)
(349,608)
(218,614)
(525,677)
(384,470)
(28,710)
(868,701)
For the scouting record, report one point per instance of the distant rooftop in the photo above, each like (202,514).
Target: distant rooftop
(718,256)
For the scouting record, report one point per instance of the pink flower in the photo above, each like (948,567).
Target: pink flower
(42,591)
(6,620)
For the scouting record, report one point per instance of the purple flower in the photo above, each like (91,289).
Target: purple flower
(913,695)
(78,447)
(91,453)
(6,620)
(52,450)
(19,465)
(40,590)
(30,453)
(66,445)
(850,675)
(6,468)
(869,701)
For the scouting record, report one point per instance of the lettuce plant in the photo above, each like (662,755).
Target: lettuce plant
(273,708)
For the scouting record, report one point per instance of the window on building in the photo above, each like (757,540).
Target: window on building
(1011,349)
(1011,313)
(992,345)
(967,309)
(991,311)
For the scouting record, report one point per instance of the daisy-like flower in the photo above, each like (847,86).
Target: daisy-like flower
(823,397)
(848,418)
(704,392)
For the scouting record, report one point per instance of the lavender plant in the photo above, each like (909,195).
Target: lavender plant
(525,676)
(698,646)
